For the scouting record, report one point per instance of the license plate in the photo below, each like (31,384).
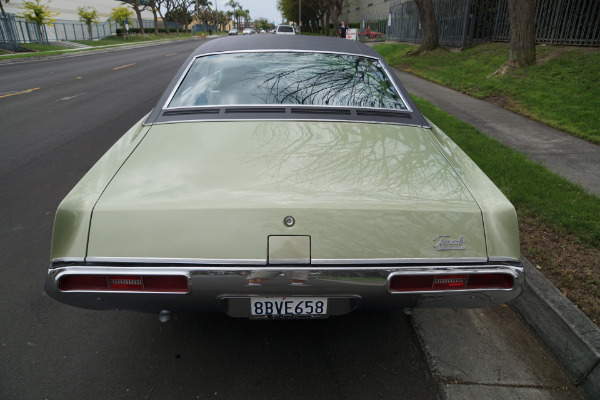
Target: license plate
(288,307)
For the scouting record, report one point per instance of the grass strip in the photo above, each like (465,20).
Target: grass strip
(116,40)
(562,90)
(50,50)
(534,190)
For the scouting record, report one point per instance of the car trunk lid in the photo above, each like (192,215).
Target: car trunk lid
(216,192)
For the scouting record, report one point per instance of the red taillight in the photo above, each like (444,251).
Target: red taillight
(129,283)
(445,282)
(83,282)
(496,281)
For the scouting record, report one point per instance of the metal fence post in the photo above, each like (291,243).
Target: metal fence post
(466,23)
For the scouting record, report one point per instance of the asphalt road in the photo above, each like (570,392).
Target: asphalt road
(57,117)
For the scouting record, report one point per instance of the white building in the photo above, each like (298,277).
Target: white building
(355,10)
(68,8)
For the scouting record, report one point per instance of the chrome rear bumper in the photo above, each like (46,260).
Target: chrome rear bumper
(226,288)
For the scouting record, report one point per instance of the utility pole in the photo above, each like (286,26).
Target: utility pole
(299,16)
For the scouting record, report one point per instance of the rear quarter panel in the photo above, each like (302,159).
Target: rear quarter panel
(499,216)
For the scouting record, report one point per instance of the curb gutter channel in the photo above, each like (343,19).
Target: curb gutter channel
(568,333)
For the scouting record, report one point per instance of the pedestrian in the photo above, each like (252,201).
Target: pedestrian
(343,30)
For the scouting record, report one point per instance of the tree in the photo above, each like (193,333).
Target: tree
(522,33)
(180,15)
(138,6)
(167,4)
(154,14)
(2,7)
(89,15)
(8,25)
(312,11)
(335,9)
(223,19)
(262,23)
(430,39)
(237,7)
(38,13)
(120,15)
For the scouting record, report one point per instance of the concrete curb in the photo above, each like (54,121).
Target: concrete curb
(570,335)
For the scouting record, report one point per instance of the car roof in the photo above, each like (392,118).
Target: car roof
(291,42)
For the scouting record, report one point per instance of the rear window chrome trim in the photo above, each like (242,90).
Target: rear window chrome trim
(289,120)
(389,74)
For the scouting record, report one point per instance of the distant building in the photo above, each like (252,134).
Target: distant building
(68,8)
(355,10)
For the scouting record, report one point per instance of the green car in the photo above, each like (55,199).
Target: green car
(284,177)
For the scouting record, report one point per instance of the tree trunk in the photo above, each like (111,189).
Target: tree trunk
(8,25)
(522,33)
(155,21)
(89,25)
(138,13)
(176,23)
(335,8)
(164,21)
(39,26)
(428,25)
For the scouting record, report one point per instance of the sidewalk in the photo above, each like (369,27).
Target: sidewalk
(573,158)
(571,337)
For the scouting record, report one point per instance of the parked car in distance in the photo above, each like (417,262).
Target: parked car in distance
(233,32)
(284,177)
(285,30)
(249,31)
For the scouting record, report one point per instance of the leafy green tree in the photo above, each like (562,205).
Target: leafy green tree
(120,15)
(262,23)
(312,10)
(89,15)
(224,18)
(38,13)
(237,11)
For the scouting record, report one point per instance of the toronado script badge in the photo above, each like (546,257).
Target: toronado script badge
(443,243)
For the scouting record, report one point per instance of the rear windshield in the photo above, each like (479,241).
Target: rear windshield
(285,29)
(282,78)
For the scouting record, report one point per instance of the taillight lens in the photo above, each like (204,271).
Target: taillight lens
(129,283)
(448,282)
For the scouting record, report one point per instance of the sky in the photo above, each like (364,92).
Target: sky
(258,8)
